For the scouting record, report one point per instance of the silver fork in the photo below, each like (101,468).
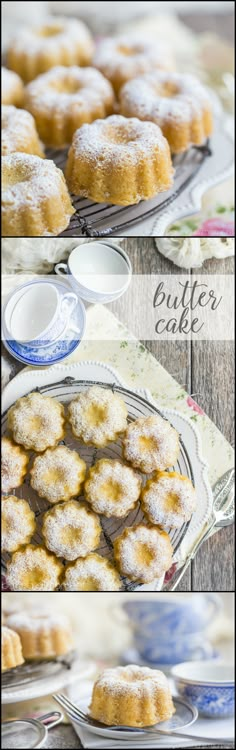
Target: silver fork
(222,514)
(76,714)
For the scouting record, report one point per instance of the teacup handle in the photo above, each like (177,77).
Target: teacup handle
(61,269)
(67,297)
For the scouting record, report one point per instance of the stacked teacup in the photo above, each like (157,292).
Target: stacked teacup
(168,630)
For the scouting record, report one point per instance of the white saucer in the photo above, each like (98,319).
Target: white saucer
(185,715)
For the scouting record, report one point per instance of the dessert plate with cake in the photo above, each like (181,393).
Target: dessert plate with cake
(117,487)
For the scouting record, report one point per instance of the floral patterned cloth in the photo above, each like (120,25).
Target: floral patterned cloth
(140,369)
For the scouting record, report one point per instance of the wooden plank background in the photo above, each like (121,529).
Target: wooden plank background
(206,369)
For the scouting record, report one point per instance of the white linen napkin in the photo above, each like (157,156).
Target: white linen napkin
(222,728)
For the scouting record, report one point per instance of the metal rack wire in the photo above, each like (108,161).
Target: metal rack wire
(99,220)
(31,671)
(137,406)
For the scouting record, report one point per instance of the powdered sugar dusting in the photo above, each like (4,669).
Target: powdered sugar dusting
(33,569)
(36,421)
(63,87)
(19,132)
(117,140)
(128,553)
(82,529)
(36,622)
(93,567)
(27,180)
(151,443)
(131,55)
(18,523)
(12,87)
(13,465)
(97,416)
(144,97)
(65,33)
(132,680)
(58,474)
(155,498)
(112,488)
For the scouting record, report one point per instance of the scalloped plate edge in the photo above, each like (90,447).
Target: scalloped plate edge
(194,192)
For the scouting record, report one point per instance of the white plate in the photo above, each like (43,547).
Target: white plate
(97,371)
(185,715)
(80,671)
(25,381)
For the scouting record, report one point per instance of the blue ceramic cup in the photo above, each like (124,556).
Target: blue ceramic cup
(208,685)
(169,630)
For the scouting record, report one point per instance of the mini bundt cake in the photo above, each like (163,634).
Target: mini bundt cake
(143,553)
(119,160)
(151,443)
(18,523)
(177,102)
(12,88)
(35,199)
(71,530)
(97,416)
(60,41)
(43,635)
(11,649)
(125,57)
(91,573)
(33,569)
(168,499)
(14,462)
(131,696)
(58,474)
(37,422)
(112,488)
(64,98)
(19,132)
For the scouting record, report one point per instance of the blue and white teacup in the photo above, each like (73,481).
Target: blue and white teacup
(37,313)
(172,615)
(174,650)
(169,629)
(207,685)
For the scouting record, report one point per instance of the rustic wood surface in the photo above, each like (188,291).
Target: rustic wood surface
(206,369)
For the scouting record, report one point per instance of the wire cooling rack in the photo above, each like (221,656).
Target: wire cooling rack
(102,219)
(36,670)
(137,406)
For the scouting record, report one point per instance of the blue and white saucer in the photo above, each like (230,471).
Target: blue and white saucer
(132,656)
(56,351)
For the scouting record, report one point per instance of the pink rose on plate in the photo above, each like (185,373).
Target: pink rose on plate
(193,405)
(215,228)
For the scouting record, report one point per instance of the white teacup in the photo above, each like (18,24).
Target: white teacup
(36,313)
(98,271)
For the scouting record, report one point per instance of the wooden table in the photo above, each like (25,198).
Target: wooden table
(205,369)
